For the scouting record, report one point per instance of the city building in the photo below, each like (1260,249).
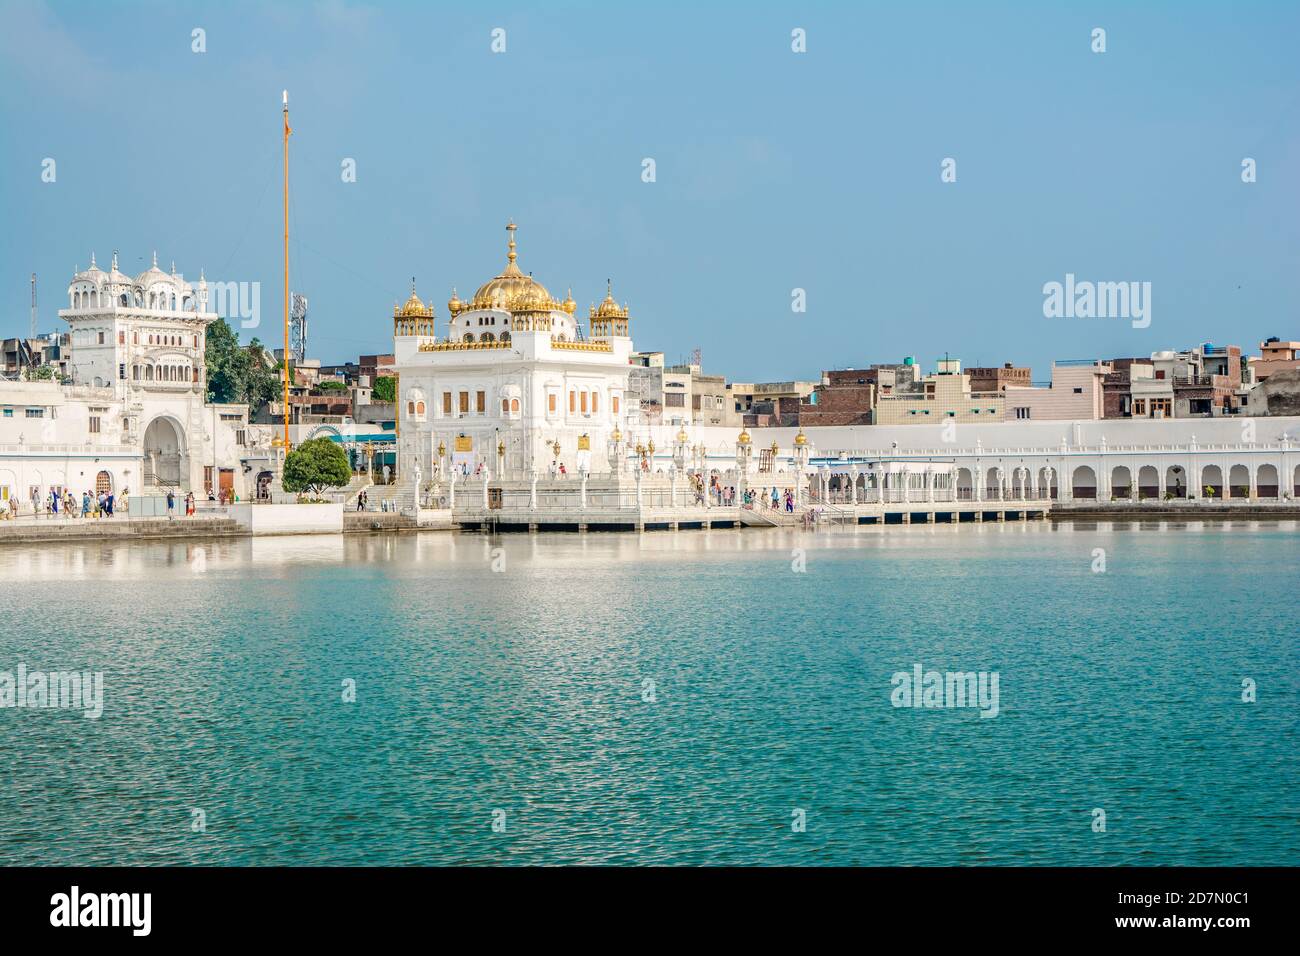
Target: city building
(134,416)
(1077,391)
(645,386)
(1274,356)
(998,379)
(944,396)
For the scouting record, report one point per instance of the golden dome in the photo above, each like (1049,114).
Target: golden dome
(683,437)
(608,308)
(454,304)
(568,305)
(512,290)
(618,435)
(801,438)
(413,308)
(743,437)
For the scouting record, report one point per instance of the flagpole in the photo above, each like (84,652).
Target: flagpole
(287,131)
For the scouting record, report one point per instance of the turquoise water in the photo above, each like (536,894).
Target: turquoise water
(522,690)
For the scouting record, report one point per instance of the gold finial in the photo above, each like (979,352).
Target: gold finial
(510,228)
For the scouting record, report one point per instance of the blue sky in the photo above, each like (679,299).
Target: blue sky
(775,170)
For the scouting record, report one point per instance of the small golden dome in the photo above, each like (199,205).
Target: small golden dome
(414,308)
(608,308)
(683,437)
(801,439)
(454,304)
(743,437)
(618,435)
(568,305)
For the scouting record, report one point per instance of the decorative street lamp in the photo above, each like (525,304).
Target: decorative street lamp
(802,452)
(615,450)
(679,450)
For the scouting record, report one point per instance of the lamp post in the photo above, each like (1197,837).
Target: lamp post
(744,450)
(802,453)
(614,450)
(679,450)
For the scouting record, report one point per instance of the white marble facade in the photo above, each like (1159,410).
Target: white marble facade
(516,386)
(133,417)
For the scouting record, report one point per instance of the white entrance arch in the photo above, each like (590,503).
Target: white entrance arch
(164,452)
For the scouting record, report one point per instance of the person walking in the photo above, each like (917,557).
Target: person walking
(189,505)
(171,505)
(85,503)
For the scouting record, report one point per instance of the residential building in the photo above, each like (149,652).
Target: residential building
(944,396)
(998,379)
(1274,356)
(1077,391)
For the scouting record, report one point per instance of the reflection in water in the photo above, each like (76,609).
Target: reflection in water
(510,672)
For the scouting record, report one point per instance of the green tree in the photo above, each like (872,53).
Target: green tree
(385,389)
(247,375)
(222,355)
(315,465)
(41,373)
(330,386)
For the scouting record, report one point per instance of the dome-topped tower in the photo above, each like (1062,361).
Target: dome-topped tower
(413,317)
(609,319)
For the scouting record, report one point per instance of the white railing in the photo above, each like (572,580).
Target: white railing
(54,448)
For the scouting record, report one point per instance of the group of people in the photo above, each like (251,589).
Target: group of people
(64,503)
(189,503)
(775,498)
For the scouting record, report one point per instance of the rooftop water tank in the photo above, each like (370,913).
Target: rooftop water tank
(909,360)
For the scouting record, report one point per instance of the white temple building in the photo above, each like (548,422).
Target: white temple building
(515,386)
(133,415)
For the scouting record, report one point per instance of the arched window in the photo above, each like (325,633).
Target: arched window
(514,405)
(505,336)
(469,336)
(419,409)
(573,401)
(505,406)
(410,409)
(594,401)
(488,337)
